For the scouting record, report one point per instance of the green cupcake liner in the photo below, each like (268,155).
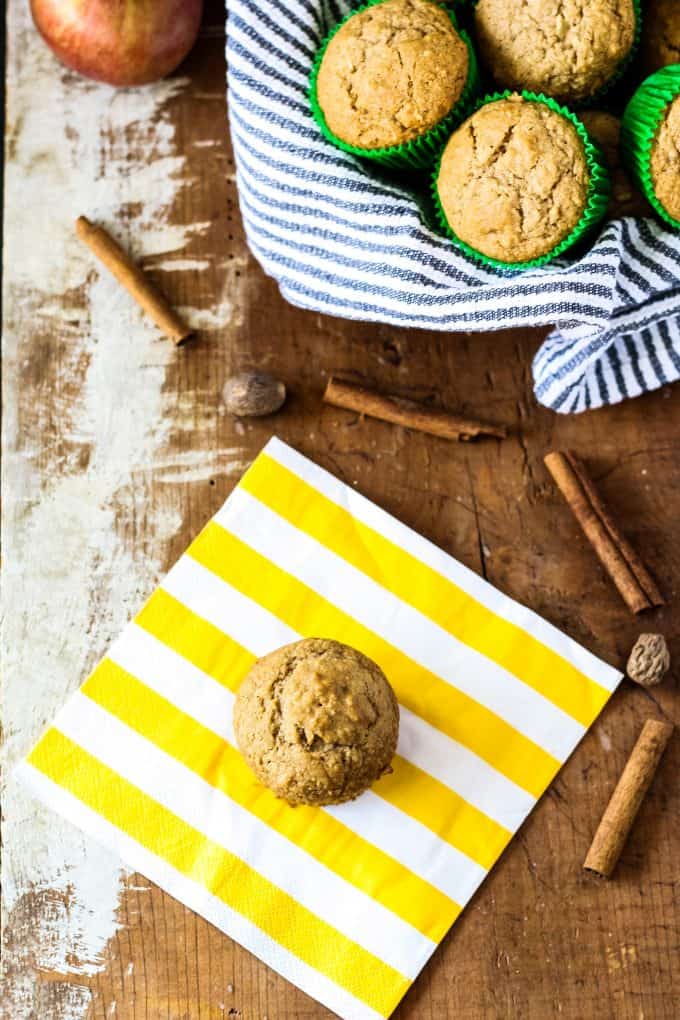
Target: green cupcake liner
(596,204)
(642,119)
(419,152)
(603,93)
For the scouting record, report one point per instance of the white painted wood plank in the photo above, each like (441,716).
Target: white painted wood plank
(86,428)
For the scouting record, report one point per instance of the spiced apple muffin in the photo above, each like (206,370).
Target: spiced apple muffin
(514,180)
(567,49)
(391,73)
(317,722)
(651,141)
(665,161)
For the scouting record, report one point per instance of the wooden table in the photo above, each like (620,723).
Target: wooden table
(117,449)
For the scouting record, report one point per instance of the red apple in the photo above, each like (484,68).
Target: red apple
(122,42)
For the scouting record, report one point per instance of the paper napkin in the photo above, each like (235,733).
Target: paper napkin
(347,902)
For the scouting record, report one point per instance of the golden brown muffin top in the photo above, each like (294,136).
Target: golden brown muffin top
(391,73)
(665,160)
(567,49)
(514,180)
(605,129)
(316,721)
(660,34)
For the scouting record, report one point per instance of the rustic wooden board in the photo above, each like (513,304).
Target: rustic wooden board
(116,450)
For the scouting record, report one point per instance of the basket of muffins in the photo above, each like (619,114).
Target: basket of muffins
(530,121)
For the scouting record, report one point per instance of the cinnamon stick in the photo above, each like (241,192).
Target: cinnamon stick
(624,566)
(625,802)
(409,413)
(134,279)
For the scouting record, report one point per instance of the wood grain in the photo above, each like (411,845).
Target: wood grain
(541,939)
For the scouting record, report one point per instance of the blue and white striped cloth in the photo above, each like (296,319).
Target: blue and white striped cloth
(344,238)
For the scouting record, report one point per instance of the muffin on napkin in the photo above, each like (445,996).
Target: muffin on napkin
(317,722)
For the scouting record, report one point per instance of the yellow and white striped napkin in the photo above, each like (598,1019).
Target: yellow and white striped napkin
(346,902)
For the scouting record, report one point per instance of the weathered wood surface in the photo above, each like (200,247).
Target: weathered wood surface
(116,451)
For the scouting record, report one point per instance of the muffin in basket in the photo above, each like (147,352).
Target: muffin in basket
(519,182)
(392,79)
(567,49)
(651,138)
(665,161)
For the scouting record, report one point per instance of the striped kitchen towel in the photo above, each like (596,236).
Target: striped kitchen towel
(347,902)
(344,238)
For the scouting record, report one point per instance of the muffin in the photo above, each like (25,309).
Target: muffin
(567,49)
(665,161)
(660,34)
(317,722)
(514,180)
(651,141)
(605,130)
(391,73)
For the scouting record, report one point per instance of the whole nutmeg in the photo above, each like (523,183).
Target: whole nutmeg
(649,660)
(252,394)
